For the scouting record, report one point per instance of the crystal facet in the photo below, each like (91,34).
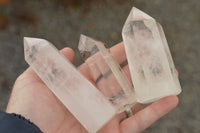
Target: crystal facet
(81,98)
(106,72)
(152,69)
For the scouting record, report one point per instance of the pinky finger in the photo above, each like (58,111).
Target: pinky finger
(149,115)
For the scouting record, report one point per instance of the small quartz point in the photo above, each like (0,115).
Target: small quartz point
(79,96)
(152,69)
(107,74)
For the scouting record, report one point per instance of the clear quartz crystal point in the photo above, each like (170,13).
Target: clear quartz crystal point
(152,69)
(107,73)
(80,97)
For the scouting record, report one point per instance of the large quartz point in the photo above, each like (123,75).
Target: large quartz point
(152,69)
(80,97)
(107,73)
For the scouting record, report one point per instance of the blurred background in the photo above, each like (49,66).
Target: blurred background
(62,21)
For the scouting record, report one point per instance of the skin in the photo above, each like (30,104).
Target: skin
(31,98)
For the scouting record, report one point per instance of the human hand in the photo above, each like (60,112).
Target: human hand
(32,99)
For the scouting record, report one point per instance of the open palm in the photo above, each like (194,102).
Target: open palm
(34,100)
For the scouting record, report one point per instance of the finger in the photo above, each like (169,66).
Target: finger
(138,107)
(68,53)
(117,52)
(126,71)
(112,125)
(85,71)
(149,115)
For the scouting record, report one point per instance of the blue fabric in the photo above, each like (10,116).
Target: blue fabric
(13,123)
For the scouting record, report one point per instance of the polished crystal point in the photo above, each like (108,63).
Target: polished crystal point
(79,96)
(152,69)
(107,73)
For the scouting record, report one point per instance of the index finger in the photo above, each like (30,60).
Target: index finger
(118,54)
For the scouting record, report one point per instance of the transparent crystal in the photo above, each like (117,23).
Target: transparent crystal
(107,73)
(80,97)
(152,69)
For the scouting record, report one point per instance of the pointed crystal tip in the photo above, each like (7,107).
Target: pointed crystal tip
(87,46)
(31,46)
(29,41)
(135,15)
